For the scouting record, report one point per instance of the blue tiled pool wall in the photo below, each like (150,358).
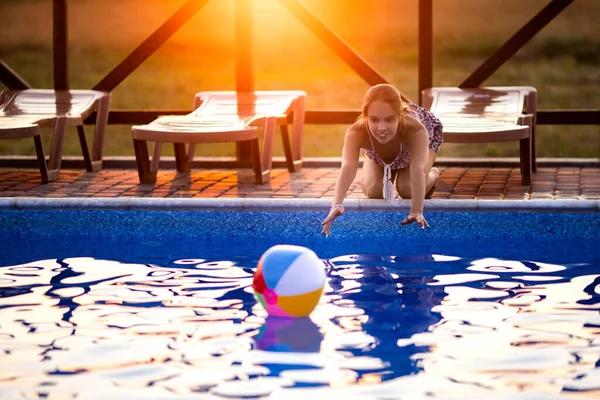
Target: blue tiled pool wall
(252,224)
(160,236)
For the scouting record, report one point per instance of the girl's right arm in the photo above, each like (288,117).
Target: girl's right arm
(350,156)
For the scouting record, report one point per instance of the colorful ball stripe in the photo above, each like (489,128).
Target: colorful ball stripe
(289,281)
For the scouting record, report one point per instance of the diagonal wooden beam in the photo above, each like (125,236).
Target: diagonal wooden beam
(10,78)
(150,45)
(335,43)
(513,45)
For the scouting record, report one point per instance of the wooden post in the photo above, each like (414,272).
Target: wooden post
(244,78)
(60,56)
(244,72)
(425,46)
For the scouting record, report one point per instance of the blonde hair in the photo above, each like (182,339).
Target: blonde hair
(387,93)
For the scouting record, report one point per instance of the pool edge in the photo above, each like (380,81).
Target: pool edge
(305,204)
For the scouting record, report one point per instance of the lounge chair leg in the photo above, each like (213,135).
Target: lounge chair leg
(99,132)
(259,175)
(181,158)
(39,149)
(191,150)
(84,149)
(142,160)
(533,157)
(287,149)
(525,157)
(155,160)
(266,156)
(56,148)
(532,110)
(297,131)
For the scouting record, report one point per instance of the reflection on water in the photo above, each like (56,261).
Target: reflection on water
(387,327)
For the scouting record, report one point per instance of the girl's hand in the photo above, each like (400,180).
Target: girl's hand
(415,217)
(335,212)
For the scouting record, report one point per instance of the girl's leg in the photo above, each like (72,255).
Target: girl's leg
(403,178)
(372,179)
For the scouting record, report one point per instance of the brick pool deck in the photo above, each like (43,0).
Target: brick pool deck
(464,179)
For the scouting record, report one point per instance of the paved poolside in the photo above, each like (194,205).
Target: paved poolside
(461,179)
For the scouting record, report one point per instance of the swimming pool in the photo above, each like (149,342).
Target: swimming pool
(149,302)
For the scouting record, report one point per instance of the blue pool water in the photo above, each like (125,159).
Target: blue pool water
(158,304)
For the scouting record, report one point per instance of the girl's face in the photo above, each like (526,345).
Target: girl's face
(383,121)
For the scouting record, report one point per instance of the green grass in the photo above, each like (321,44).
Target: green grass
(561,61)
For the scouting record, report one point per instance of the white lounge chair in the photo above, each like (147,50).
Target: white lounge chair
(24,112)
(488,114)
(226,116)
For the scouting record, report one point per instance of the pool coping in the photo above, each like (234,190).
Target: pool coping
(294,204)
(168,162)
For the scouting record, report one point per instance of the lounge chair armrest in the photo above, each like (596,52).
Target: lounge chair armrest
(526,119)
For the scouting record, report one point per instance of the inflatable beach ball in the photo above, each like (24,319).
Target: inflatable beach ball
(289,281)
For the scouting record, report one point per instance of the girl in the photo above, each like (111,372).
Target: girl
(400,142)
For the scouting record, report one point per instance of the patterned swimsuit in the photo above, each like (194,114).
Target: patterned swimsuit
(434,127)
(402,160)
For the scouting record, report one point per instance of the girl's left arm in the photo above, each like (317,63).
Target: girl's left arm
(418,143)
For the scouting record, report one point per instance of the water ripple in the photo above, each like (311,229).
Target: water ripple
(421,325)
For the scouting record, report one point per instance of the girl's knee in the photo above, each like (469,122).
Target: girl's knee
(372,190)
(403,189)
